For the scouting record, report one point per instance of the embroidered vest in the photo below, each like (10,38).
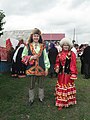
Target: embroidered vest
(38,67)
(66,68)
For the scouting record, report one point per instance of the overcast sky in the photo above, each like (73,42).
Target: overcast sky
(50,16)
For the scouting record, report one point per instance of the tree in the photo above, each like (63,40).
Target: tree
(2,15)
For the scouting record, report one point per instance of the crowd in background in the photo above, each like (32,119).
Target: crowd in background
(53,48)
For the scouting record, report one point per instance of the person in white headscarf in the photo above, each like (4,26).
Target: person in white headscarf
(74,49)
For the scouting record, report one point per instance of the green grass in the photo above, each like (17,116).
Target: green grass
(14,97)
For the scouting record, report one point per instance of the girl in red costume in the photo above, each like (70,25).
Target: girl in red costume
(65,91)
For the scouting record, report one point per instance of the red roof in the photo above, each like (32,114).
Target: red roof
(53,36)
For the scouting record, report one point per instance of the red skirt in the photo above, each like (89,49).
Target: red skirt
(65,91)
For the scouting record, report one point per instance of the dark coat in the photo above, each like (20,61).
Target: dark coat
(86,55)
(52,54)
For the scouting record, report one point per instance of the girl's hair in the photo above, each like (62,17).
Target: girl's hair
(30,40)
(35,31)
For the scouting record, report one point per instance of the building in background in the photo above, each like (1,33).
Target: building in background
(53,36)
(14,36)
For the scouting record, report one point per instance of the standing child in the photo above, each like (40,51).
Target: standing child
(35,57)
(65,91)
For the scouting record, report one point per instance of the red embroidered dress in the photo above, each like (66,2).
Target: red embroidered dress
(65,91)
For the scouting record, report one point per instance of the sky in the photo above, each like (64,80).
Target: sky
(50,16)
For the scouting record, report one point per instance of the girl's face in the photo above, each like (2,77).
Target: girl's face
(65,47)
(35,38)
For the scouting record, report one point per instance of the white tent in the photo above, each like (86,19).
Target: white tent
(14,42)
(2,42)
(14,35)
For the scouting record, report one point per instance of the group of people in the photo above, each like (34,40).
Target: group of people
(38,63)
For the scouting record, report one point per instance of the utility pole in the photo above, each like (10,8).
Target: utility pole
(73,41)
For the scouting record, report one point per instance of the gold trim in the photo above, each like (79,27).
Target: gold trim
(36,70)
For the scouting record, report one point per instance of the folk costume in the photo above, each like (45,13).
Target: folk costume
(18,68)
(36,68)
(65,91)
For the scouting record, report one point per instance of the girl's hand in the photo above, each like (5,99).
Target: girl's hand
(34,57)
(46,72)
(57,70)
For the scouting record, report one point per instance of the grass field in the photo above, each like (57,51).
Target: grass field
(14,97)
